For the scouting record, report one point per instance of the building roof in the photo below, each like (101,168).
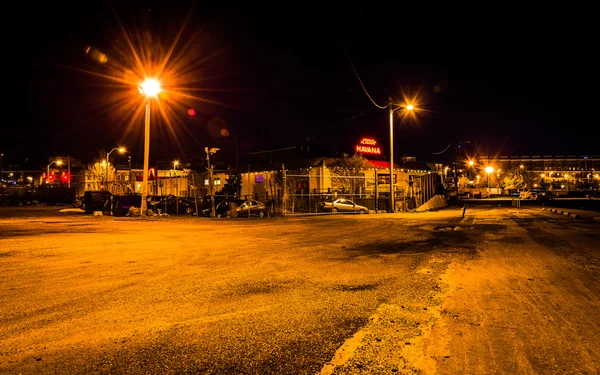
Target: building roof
(408,166)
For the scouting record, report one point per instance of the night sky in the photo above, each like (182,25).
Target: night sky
(511,81)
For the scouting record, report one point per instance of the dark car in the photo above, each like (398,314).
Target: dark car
(171,205)
(221,209)
(545,195)
(251,207)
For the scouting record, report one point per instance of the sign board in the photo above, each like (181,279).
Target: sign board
(368,146)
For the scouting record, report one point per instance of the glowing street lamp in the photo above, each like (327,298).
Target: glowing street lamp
(489,170)
(175,164)
(58,162)
(408,107)
(150,89)
(121,150)
(471,164)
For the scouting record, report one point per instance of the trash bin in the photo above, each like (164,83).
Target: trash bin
(96,201)
(125,202)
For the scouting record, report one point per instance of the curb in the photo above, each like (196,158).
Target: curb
(569,214)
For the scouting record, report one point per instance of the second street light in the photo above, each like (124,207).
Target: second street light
(150,89)
(489,170)
(408,107)
(58,162)
(121,150)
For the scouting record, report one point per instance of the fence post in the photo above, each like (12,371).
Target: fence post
(376,198)
(284,189)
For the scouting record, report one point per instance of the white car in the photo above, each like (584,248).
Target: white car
(344,205)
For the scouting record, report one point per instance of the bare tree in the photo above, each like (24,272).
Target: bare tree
(348,173)
(96,174)
(513,182)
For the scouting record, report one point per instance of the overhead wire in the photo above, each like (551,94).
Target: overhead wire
(360,81)
(353,117)
(446,149)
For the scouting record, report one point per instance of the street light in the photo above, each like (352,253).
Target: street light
(471,164)
(409,107)
(489,170)
(121,150)
(175,164)
(150,89)
(210,151)
(58,162)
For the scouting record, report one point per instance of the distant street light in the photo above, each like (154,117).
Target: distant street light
(489,170)
(408,107)
(175,164)
(58,162)
(150,89)
(471,164)
(121,150)
(210,167)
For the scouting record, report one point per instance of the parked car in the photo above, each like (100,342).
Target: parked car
(528,195)
(545,195)
(221,209)
(343,205)
(171,205)
(251,207)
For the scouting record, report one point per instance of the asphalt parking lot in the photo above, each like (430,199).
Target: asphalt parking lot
(500,290)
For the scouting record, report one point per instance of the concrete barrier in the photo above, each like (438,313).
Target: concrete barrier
(437,202)
(575,216)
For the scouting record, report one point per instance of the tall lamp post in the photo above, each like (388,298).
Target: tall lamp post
(471,163)
(121,150)
(150,89)
(408,107)
(211,186)
(489,170)
(175,164)
(58,162)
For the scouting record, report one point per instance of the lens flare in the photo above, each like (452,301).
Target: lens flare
(176,78)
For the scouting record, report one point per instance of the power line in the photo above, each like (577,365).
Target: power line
(441,152)
(353,117)
(360,81)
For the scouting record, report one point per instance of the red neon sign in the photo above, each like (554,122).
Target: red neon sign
(368,146)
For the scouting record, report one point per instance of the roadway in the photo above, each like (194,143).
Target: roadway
(502,290)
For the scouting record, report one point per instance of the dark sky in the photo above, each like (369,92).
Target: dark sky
(512,81)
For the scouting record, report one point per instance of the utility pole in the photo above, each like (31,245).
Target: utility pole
(391,110)
(69,170)
(210,167)
(457,163)
(284,188)
(132,188)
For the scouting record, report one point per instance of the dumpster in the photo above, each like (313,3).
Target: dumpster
(122,203)
(97,201)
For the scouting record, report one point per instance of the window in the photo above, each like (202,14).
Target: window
(217,181)
(385,178)
(258,178)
